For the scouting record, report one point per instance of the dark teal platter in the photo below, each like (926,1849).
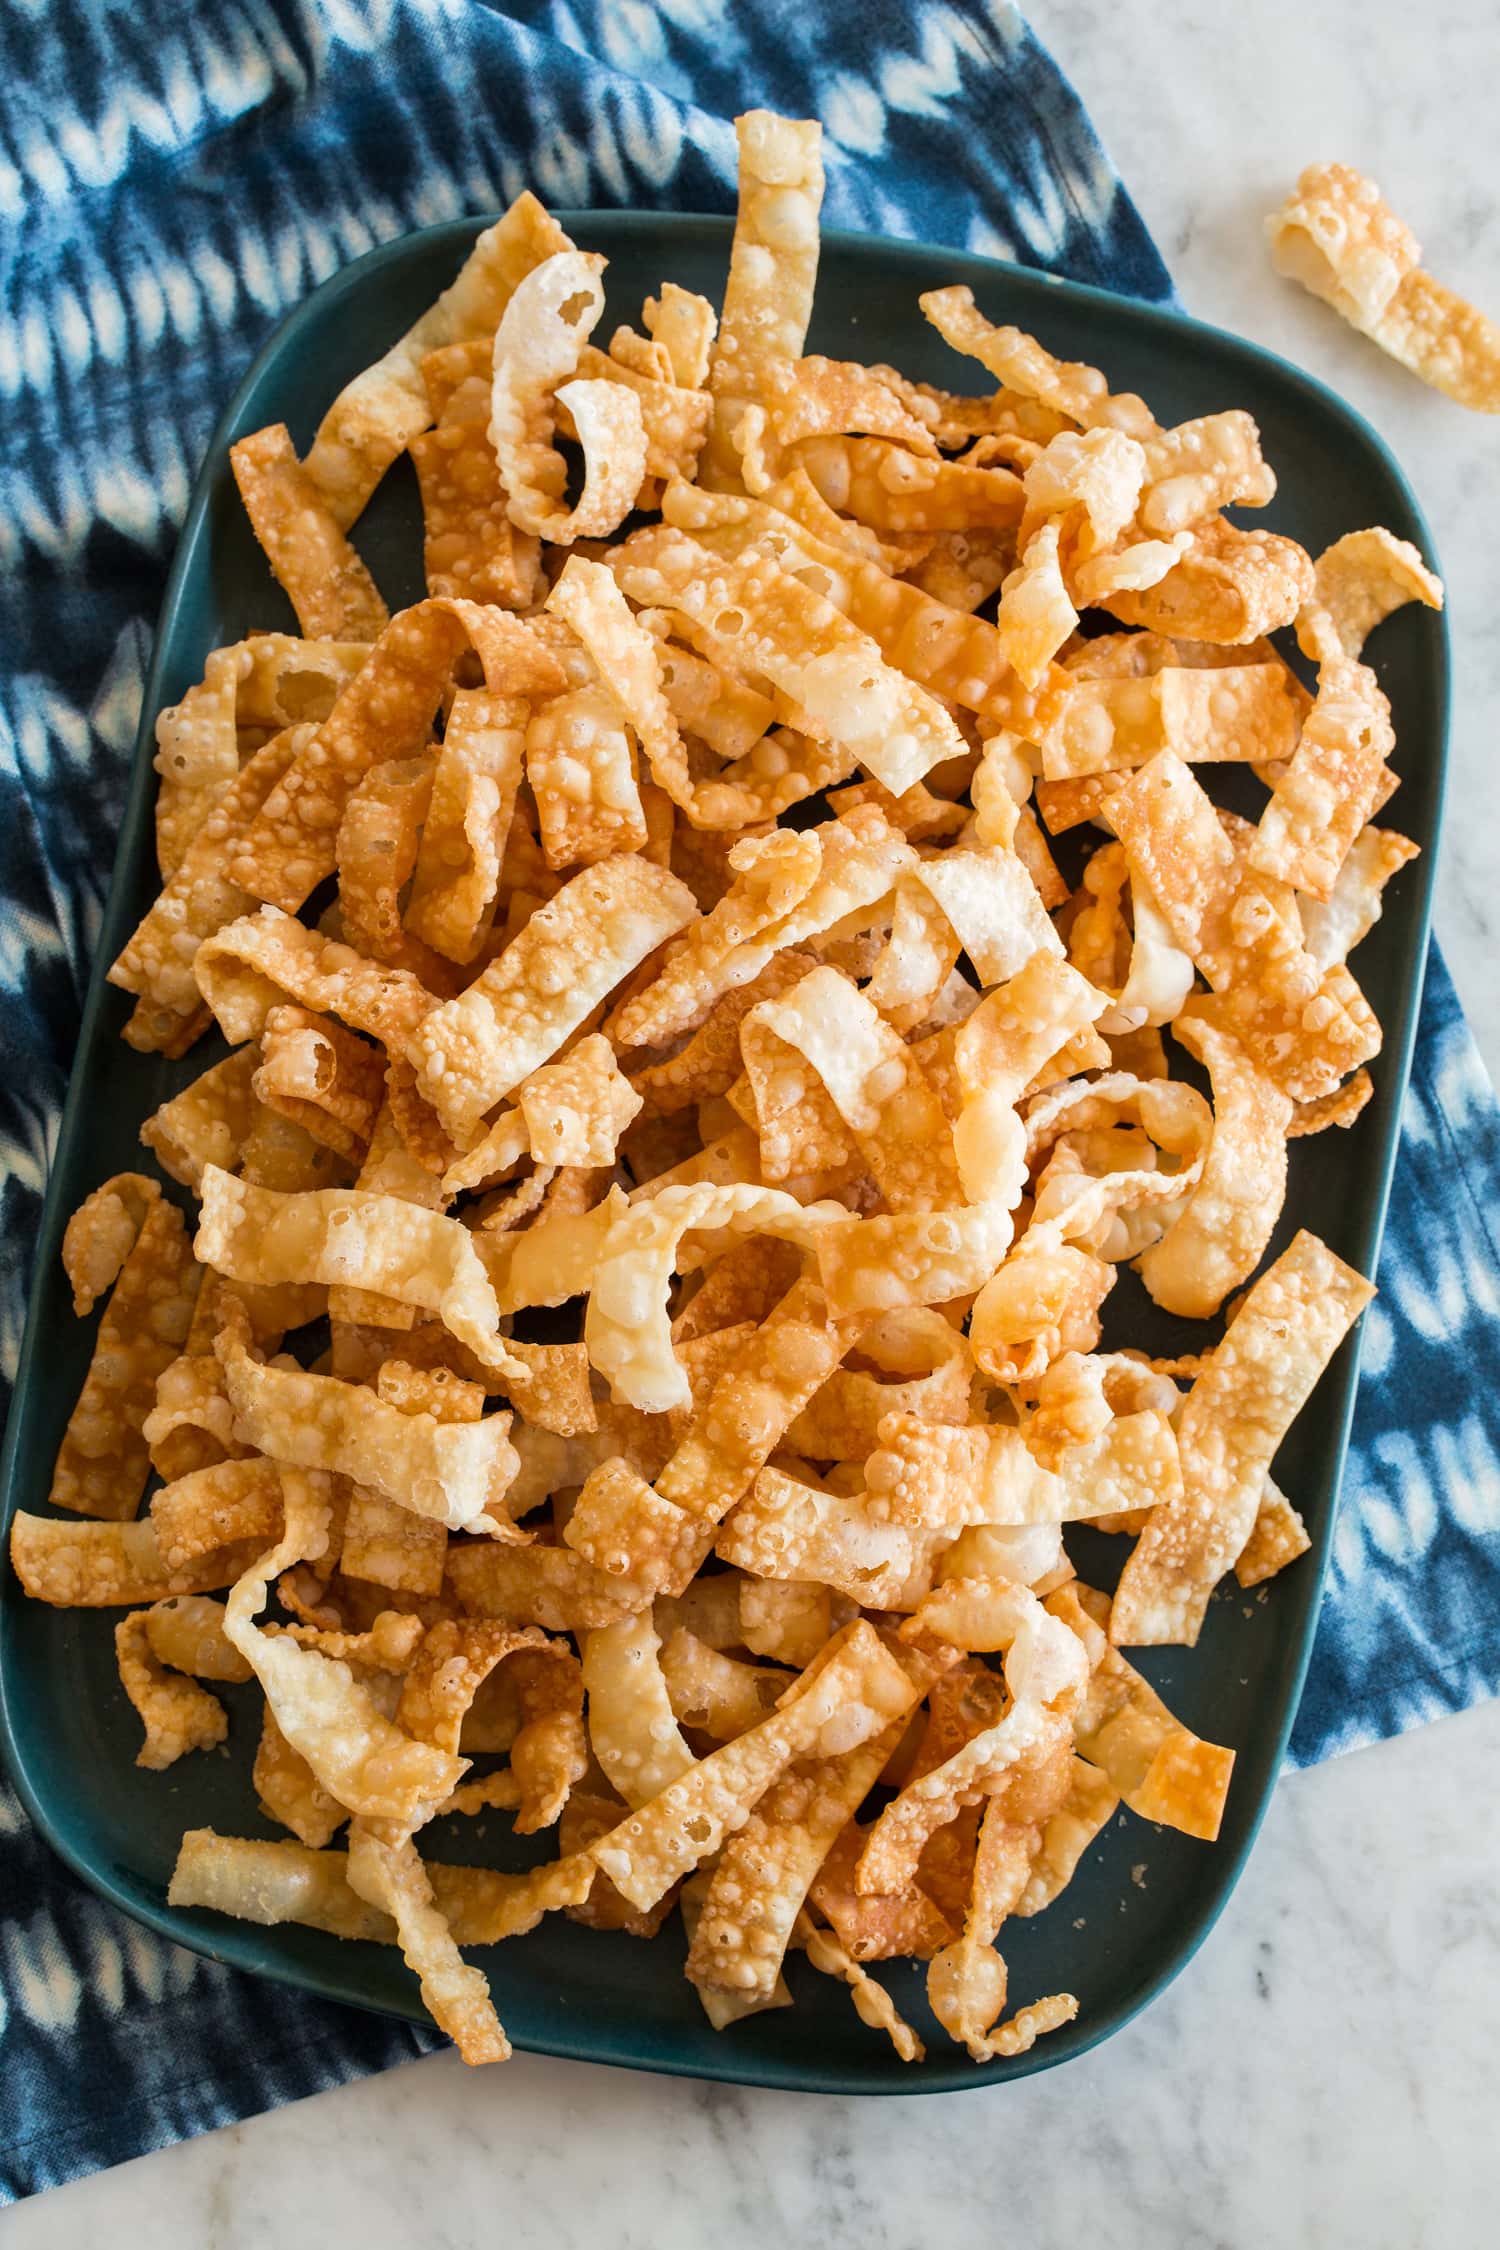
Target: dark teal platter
(68,1733)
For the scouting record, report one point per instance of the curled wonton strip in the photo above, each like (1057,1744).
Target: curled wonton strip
(350,1236)
(1217,1241)
(1338,237)
(537,346)
(450,1472)
(851,1693)
(375,417)
(549,979)
(1252,1386)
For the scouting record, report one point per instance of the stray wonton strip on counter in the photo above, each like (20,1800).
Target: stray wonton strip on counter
(716,991)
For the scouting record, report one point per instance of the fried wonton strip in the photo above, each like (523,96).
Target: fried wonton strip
(457,878)
(1246,712)
(1333,927)
(1218,1240)
(389,1169)
(765,1870)
(370,1765)
(221,1505)
(1045,1670)
(537,347)
(289,1792)
(177,1714)
(1279,1537)
(967,1980)
(158,962)
(1339,238)
(684,326)
(883,1264)
(852,1692)
(272,1883)
(386,1870)
(876,1083)
(1331,785)
(631,1726)
(792,1530)
(1358,582)
(470,547)
(1251,1388)
(675,421)
(773,266)
(872,2003)
(788,887)
(208,1122)
(720,1695)
(955,656)
(384,713)
(547,1586)
(389,1546)
(451,1473)
(1160,1768)
(626,1328)
(124,1229)
(111,1565)
(187,1632)
(322,1077)
(548,981)
(582,775)
(350,1236)
(1066,1834)
(932,1475)
(266,958)
(375,417)
(311,560)
(1230,587)
(659,1537)
(835,675)
(924,1368)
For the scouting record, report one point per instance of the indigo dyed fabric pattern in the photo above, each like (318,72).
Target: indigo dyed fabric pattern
(174,176)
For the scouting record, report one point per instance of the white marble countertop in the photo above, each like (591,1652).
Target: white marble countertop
(1323,2073)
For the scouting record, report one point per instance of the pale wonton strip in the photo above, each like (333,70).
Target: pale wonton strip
(839,1703)
(631,1728)
(351,1236)
(357,1754)
(111,1565)
(876,1083)
(773,265)
(374,417)
(835,674)
(537,346)
(765,1871)
(1252,1386)
(272,1883)
(626,1328)
(476,1049)
(387,1871)
(1217,1241)
(1343,243)
(1359,581)
(449,1472)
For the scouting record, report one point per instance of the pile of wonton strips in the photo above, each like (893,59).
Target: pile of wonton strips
(839,1132)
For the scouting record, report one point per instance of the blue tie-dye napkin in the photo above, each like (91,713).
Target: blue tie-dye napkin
(176,174)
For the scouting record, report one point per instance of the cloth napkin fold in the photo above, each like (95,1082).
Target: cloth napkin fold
(175,177)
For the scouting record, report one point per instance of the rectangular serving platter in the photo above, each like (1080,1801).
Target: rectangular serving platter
(68,1733)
